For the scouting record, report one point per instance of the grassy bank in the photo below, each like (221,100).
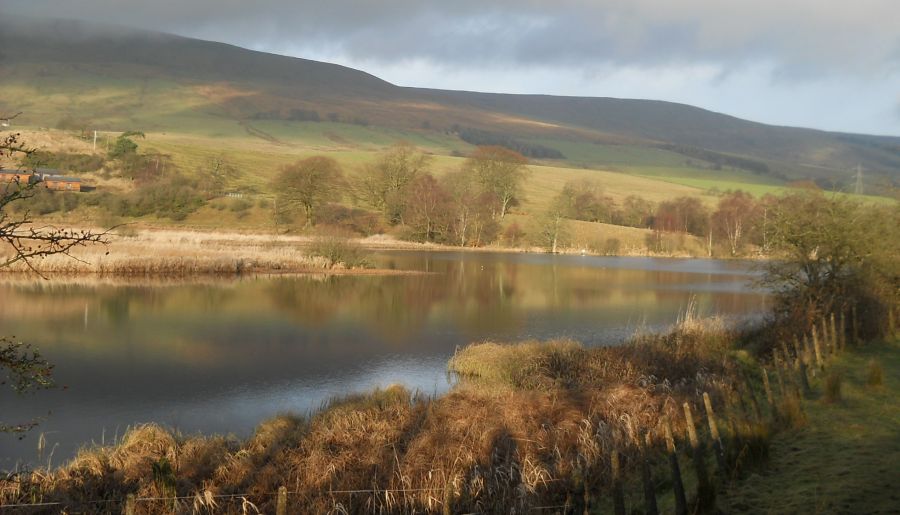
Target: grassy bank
(494,442)
(537,424)
(844,459)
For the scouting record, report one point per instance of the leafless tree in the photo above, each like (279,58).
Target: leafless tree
(309,184)
(501,172)
(385,184)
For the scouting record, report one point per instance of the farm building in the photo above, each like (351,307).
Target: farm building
(20,176)
(61,182)
(48,177)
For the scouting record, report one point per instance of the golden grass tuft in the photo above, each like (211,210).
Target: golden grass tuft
(528,365)
(874,374)
(791,409)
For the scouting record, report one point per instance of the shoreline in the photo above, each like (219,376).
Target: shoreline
(182,253)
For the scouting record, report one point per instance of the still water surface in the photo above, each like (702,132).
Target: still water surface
(220,356)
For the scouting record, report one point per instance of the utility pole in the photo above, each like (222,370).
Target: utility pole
(95,140)
(859,180)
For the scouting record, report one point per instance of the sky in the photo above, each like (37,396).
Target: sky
(827,64)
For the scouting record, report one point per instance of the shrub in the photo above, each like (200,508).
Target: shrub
(339,250)
(792,411)
(612,246)
(70,163)
(834,255)
(174,197)
(357,221)
(239,205)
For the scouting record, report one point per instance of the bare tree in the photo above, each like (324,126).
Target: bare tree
(470,209)
(215,174)
(501,172)
(309,184)
(385,184)
(683,214)
(428,211)
(734,217)
(552,228)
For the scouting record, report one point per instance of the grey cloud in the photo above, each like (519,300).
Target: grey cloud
(799,37)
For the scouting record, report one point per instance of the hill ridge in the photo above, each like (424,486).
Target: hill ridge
(84,58)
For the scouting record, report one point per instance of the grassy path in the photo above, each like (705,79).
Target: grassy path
(846,459)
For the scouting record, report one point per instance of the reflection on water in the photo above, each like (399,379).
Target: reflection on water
(220,356)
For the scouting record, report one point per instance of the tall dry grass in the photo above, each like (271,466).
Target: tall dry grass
(528,425)
(185,253)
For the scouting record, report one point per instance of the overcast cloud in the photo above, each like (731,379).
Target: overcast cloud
(817,63)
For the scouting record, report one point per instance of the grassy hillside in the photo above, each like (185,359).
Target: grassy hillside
(112,78)
(200,101)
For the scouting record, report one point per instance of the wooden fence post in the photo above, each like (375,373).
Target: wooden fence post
(618,495)
(799,353)
(588,501)
(843,333)
(804,381)
(716,439)
(834,336)
(706,496)
(827,339)
(820,358)
(780,377)
(809,355)
(787,354)
(650,507)
(129,504)
(768,388)
(281,501)
(677,484)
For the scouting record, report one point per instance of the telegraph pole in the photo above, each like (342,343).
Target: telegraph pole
(859,180)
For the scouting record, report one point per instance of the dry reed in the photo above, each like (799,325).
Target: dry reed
(528,425)
(183,253)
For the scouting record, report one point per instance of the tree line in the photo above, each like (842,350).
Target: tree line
(463,207)
(399,193)
(467,206)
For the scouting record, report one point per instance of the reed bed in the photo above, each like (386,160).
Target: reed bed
(185,253)
(531,424)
